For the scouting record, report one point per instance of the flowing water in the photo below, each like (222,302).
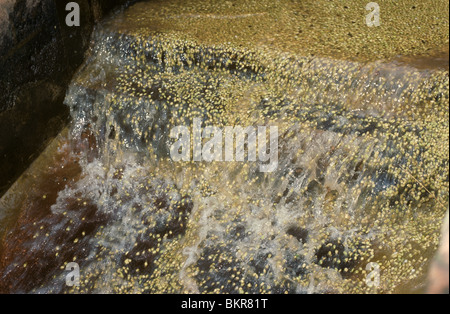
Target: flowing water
(362,174)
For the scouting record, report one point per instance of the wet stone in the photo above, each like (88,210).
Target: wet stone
(362,169)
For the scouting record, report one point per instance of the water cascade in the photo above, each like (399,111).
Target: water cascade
(361,177)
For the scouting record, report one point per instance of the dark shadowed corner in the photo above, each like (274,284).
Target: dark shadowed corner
(38,56)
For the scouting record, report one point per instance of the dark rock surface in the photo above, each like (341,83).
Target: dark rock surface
(39,54)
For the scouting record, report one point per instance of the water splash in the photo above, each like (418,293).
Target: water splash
(363,174)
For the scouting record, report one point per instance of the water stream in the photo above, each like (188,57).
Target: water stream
(362,175)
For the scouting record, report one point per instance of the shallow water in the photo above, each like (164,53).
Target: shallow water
(362,175)
(434,60)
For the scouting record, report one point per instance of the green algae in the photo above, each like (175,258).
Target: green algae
(363,161)
(321,28)
(363,174)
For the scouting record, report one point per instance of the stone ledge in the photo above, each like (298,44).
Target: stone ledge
(38,56)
